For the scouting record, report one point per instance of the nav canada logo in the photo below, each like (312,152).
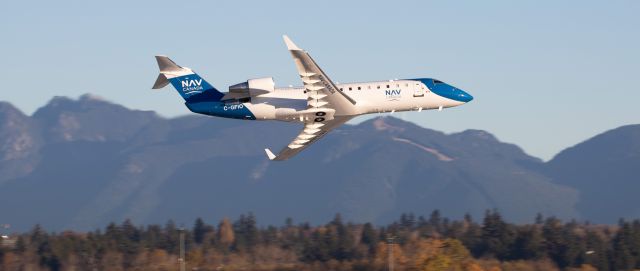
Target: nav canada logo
(393,94)
(191,86)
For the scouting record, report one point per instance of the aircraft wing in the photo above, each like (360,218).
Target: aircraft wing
(321,91)
(311,132)
(327,106)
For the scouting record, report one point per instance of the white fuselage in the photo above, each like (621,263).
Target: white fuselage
(370,97)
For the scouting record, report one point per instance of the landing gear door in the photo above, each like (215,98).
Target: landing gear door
(418,89)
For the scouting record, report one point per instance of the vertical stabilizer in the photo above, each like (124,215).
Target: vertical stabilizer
(190,85)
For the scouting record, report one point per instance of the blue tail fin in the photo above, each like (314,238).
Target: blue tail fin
(190,85)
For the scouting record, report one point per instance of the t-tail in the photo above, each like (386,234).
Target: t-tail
(190,85)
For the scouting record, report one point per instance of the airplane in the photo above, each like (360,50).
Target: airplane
(320,104)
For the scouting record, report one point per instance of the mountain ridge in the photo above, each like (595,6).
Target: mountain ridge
(90,161)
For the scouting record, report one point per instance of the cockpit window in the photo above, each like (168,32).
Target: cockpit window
(436,81)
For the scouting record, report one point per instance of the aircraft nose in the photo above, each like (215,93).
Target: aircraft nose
(463,96)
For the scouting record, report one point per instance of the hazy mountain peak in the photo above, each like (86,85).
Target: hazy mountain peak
(19,142)
(56,102)
(388,124)
(91,98)
(382,124)
(477,134)
(66,119)
(8,109)
(83,103)
(622,139)
(605,170)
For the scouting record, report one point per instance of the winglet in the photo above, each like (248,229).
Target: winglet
(270,154)
(290,45)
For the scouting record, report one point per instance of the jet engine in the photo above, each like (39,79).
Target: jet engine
(253,87)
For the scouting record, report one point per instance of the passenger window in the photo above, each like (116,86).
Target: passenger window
(406,85)
(387,86)
(340,89)
(378,86)
(397,85)
(349,88)
(358,88)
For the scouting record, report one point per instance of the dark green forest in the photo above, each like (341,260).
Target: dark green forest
(410,243)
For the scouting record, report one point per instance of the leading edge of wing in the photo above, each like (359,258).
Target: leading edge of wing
(314,79)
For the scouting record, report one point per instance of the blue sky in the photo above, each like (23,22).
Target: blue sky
(545,74)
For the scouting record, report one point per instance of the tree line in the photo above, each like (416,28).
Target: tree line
(410,243)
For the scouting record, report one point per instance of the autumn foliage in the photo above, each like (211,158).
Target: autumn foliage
(410,243)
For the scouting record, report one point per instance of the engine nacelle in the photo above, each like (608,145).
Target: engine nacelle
(254,87)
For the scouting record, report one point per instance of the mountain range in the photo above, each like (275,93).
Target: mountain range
(79,164)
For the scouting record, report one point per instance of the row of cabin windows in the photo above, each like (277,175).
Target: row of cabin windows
(378,86)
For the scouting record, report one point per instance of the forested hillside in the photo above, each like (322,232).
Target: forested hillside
(419,243)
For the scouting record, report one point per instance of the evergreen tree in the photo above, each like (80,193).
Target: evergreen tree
(497,236)
(47,257)
(20,245)
(270,235)
(154,238)
(200,230)
(529,244)
(472,238)
(596,251)
(171,237)
(246,232)
(574,246)
(369,237)
(623,258)
(288,223)
(407,221)
(634,242)
(37,235)
(564,247)
(128,239)
(339,239)
(554,239)
(435,221)
(251,231)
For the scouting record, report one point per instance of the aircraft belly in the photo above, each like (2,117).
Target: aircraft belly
(266,108)
(280,102)
(219,109)
(434,101)
(262,111)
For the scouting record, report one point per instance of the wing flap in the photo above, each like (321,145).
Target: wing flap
(310,133)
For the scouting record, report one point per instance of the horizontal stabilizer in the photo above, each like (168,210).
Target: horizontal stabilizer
(161,82)
(167,65)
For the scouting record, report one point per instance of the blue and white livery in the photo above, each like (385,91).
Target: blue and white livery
(320,104)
